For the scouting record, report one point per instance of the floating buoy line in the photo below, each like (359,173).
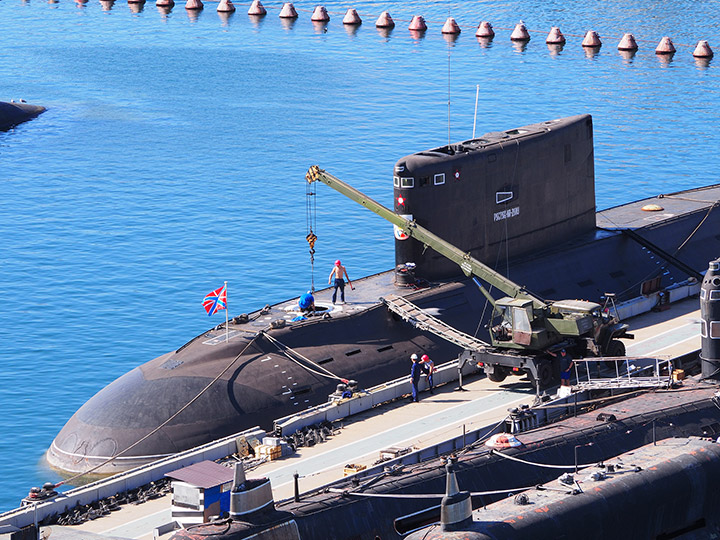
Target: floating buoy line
(418,26)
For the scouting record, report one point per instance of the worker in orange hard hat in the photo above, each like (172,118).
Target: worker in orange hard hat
(428,367)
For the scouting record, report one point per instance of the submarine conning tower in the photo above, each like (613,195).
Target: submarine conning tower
(710,324)
(531,187)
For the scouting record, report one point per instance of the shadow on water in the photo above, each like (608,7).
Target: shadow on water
(256,20)
(225,17)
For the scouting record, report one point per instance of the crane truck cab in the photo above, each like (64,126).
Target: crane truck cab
(515,325)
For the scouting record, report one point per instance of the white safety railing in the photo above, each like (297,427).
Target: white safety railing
(623,372)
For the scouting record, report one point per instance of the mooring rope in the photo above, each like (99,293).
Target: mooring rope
(544,465)
(427,495)
(284,349)
(165,423)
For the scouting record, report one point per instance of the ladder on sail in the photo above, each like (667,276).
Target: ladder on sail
(424,321)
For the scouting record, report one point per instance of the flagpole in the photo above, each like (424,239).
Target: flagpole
(227,319)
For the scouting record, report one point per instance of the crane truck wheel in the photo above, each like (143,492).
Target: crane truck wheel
(545,376)
(498,375)
(616,348)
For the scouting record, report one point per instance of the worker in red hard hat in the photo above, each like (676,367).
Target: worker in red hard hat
(428,367)
(339,274)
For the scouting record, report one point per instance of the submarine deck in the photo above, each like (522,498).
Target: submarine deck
(670,333)
(669,205)
(609,221)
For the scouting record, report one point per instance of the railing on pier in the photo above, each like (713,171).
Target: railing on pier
(623,373)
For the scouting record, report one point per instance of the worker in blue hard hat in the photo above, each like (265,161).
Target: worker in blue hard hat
(306,303)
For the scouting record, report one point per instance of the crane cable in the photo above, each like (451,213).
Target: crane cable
(166,422)
(310,226)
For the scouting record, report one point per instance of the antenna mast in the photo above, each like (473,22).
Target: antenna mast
(477,93)
(448,96)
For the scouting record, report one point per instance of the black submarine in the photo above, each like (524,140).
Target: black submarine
(17,112)
(393,500)
(523,196)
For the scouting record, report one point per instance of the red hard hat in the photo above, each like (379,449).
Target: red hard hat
(425,357)
(337,263)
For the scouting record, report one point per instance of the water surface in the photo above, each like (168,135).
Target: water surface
(174,148)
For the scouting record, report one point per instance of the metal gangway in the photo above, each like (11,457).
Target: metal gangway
(424,321)
(622,373)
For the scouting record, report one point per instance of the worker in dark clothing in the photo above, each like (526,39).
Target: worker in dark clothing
(428,367)
(566,365)
(415,372)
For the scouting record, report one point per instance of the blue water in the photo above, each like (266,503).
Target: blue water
(174,148)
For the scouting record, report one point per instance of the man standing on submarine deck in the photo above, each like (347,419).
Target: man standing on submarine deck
(339,272)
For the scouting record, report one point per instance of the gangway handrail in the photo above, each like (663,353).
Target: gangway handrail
(629,377)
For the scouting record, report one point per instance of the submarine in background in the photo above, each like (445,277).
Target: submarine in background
(525,196)
(14,113)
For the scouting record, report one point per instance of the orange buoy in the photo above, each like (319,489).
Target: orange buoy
(450,27)
(288,11)
(418,24)
(225,6)
(627,43)
(352,17)
(702,50)
(520,33)
(485,30)
(385,21)
(665,46)
(591,39)
(256,8)
(194,5)
(320,14)
(555,37)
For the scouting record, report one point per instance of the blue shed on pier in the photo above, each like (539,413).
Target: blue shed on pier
(200,491)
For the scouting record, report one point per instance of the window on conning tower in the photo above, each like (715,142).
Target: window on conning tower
(714,329)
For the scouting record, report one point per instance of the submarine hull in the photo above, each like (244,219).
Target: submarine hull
(12,114)
(260,384)
(263,373)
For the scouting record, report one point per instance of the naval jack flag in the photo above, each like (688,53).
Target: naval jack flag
(216,301)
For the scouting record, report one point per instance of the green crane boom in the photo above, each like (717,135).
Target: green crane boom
(468,264)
